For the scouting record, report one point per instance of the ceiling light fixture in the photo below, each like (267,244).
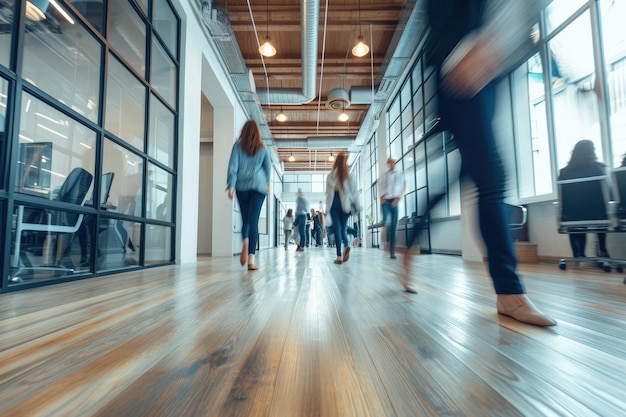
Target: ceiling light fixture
(343,117)
(331,158)
(35,9)
(267,49)
(360,49)
(292,158)
(281,117)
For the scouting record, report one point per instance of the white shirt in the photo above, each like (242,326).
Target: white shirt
(392,184)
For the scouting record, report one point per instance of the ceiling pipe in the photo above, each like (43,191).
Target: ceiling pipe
(309,20)
(317,142)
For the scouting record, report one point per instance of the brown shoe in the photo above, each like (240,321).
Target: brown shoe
(338,261)
(300,249)
(346,254)
(519,307)
(252,267)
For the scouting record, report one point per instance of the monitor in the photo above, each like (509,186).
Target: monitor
(35,164)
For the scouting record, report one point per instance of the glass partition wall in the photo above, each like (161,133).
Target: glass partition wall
(88,115)
(572,87)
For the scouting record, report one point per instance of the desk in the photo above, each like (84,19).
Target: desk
(36,191)
(375,231)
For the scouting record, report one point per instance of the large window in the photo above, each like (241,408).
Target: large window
(90,127)
(533,147)
(64,61)
(548,126)
(125,109)
(614,38)
(4,85)
(51,145)
(572,78)
(127,34)
(6,20)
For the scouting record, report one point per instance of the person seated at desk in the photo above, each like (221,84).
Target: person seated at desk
(584,163)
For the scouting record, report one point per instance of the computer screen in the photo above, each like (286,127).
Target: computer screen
(35,164)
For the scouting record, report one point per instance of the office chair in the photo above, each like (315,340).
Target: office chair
(583,207)
(618,176)
(52,222)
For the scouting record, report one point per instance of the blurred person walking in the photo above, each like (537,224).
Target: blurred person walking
(342,197)
(467,101)
(249,176)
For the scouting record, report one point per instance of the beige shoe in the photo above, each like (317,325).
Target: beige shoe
(519,307)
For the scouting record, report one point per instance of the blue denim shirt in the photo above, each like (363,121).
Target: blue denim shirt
(249,172)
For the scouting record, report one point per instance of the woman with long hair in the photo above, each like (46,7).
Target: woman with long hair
(584,163)
(341,198)
(288,226)
(249,177)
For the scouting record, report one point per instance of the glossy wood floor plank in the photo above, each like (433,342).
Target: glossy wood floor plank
(305,337)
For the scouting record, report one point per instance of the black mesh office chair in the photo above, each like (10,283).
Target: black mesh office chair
(583,207)
(51,222)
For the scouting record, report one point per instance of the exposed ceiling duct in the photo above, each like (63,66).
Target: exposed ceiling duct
(338,99)
(318,142)
(309,21)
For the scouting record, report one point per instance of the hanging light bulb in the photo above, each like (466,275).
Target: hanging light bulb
(281,117)
(360,49)
(267,49)
(343,117)
(35,9)
(292,158)
(331,158)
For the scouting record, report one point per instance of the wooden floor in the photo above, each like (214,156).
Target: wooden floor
(303,337)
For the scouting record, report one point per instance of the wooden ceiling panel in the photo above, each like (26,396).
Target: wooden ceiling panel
(339,30)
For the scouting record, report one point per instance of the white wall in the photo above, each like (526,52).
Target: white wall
(201,71)
(205,204)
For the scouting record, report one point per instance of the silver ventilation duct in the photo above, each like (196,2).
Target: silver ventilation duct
(317,142)
(310,21)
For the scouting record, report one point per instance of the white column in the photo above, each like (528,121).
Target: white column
(188,148)
(224,135)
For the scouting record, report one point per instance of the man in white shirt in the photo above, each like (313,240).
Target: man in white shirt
(391,191)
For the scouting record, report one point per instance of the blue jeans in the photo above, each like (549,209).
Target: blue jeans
(301,220)
(470,122)
(340,223)
(390,215)
(250,203)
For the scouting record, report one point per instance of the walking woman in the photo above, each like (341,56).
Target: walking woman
(287,226)
(249,176)
(341,197)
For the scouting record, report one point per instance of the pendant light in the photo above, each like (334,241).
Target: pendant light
(35,9)
(360,49)
(331,158)
(281,117)
(267,49)
(292,158)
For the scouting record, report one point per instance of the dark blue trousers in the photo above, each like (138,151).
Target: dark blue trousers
(470,122)
(390,216)
(250,203)
(301,220)
(340,223)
